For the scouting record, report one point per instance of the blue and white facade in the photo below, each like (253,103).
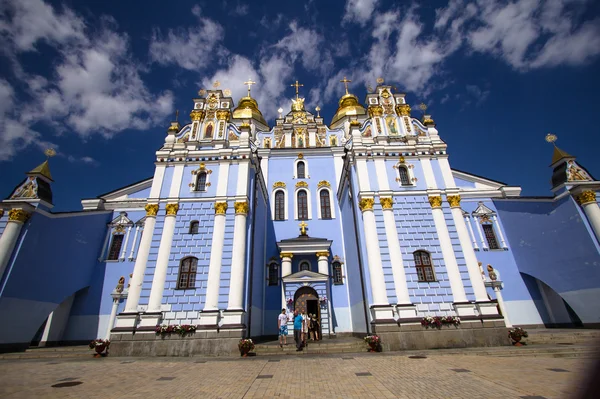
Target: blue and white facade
(361,223)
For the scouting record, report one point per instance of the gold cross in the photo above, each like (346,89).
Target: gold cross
(176,115)
(249,83)
(345,81)
(297,85)
(303,226)
(216,84)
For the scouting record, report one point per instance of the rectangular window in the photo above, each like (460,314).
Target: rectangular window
(273,274)
(490,236)
(115,247)
(337,273)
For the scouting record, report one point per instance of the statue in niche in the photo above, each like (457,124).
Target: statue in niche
(333,141)
(368,132)
(267,143)
(391,122)
(208,132)
(301,140)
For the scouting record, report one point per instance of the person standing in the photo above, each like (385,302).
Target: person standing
(282,321)
(305,320)
(298,330)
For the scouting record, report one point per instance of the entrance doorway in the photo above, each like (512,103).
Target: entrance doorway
(306,300)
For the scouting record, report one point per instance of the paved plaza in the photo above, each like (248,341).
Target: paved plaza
(364,375)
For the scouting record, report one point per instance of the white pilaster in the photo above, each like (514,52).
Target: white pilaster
(499,230)
(236,282)
(176,181)
(391,234)
(478,228)
(139,269)
(500,300)
(286,264)
(159,174)
(135,235)
(472,234)
(214,269)
(323,262)
(428,173)
(124,249)
(162,263)
(223,178)
(10,235)
(382,178)
(467,249)
(378,290)
(446,173)
(111,320)
(363,175)
(456,285)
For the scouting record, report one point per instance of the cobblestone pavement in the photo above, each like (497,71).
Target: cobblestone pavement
(376,375)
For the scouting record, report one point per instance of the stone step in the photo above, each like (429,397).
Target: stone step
(45,355)
(76,348)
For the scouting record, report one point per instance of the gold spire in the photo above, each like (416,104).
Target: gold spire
(558,153)
(248,107)
(345,81)
(42,169)
(249,83)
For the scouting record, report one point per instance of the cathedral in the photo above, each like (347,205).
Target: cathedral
(361,222)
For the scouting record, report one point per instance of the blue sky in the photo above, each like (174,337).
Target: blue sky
(99,81)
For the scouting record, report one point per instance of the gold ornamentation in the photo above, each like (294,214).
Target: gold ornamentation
(379,81)
(50,152)
(222,115)
(586,197)
(386,203)
(172,209)
(303,227)
(366,204)
(1,213)
(403,109)
(202,92)
(300,155)
(151,209)
(324,253)
(385,93)
(120,285)
(484,219)
(241,208)
(428,121)
(435,201)
(279,184)
(227,92)
(286,255)
(220,208)
(216,84)
(299,117)
(297,86)
(245,125)
(375,110)
(119,229)
(298,104)
(492,273)
(323,183)
(18,215)
(402,159)
(196,115)
(453,200)
(301,184)
(355,123)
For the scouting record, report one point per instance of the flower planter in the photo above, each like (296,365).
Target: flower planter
(517,340)
(99,349)
(373,347)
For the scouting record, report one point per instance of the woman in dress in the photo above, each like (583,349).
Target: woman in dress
(305,321)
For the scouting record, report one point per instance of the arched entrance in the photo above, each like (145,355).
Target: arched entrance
(306,300)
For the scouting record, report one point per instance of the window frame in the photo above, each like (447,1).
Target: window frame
(337,272)
(110,247)
(400,175)
(279,210)
(320,205)
(302,164)
(188,273)
(295,170)
(302,207)
(273,274)
(204,186)
(194,224)
(491,236)
(304,262)
(420,265)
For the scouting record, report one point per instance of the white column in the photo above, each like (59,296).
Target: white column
(500,231)
(478,227)
(363,175)
(46,333)
(10,235)
(216,257)
(467,249)
(500,300)
(162,260)
(395,253)
(139,269)
(458,290)
(135,235)
(472,234)
(113,315)
(124,250)
(286,264)
(587,200)
(428,173)
(103,251)
(236,282)
(382,178)
(323,262)
(378,290)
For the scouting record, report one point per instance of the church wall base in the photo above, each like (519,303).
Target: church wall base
(469,334)
(201,343)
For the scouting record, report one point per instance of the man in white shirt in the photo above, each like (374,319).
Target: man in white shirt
(282,321)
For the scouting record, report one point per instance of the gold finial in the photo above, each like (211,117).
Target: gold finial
(318,109)
(227,92)
(249,83)
(280,110)
(345,81)
(297,86)
(176,115)
(551,138)
(423,107)
(369,89)
(50,152)
(379,81)
(303,226)
(216,84)
(202,92)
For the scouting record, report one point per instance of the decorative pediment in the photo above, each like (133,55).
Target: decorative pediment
(121,220)
(305,276)
(483,210)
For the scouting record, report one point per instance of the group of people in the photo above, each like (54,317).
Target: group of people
(306,326)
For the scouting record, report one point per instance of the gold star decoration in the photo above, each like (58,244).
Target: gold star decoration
(216,84)
(50,152)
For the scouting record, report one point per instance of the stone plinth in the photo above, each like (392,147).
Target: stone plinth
(409,336)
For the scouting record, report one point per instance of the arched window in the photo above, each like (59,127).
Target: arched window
(325,204)
(304,266)
(279,205)
(194,225)
(404,179)
(273,273)
(490,236)
(424,266)
(337,273)
(302,205)
(187,273)
(208,133)
(201,182)
(301,170)
(115,247)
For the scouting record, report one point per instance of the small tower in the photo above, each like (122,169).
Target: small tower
(565,168)
(348,106)
(36,187)
(247,110)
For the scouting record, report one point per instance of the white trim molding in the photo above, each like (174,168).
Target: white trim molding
(276,187)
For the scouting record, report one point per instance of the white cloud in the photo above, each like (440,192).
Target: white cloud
(241,9)
(479,94)
(85,159)
(359,11)
(305,44)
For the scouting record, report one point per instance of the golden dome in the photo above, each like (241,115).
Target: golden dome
(348,105)
(248,109)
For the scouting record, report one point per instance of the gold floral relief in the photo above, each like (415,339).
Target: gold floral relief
(403,110)
(241,208)
(151,209)
(172,209)
(18,215)
(196,115)
(375,110)
(386,203)
(586,197)
(366,204)
(454,201)
(323,183)
(279,184)
(301,184)
(286,255)
(324,253)
(435,201)
(220,208)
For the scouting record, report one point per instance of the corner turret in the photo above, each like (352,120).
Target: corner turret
(36,187)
